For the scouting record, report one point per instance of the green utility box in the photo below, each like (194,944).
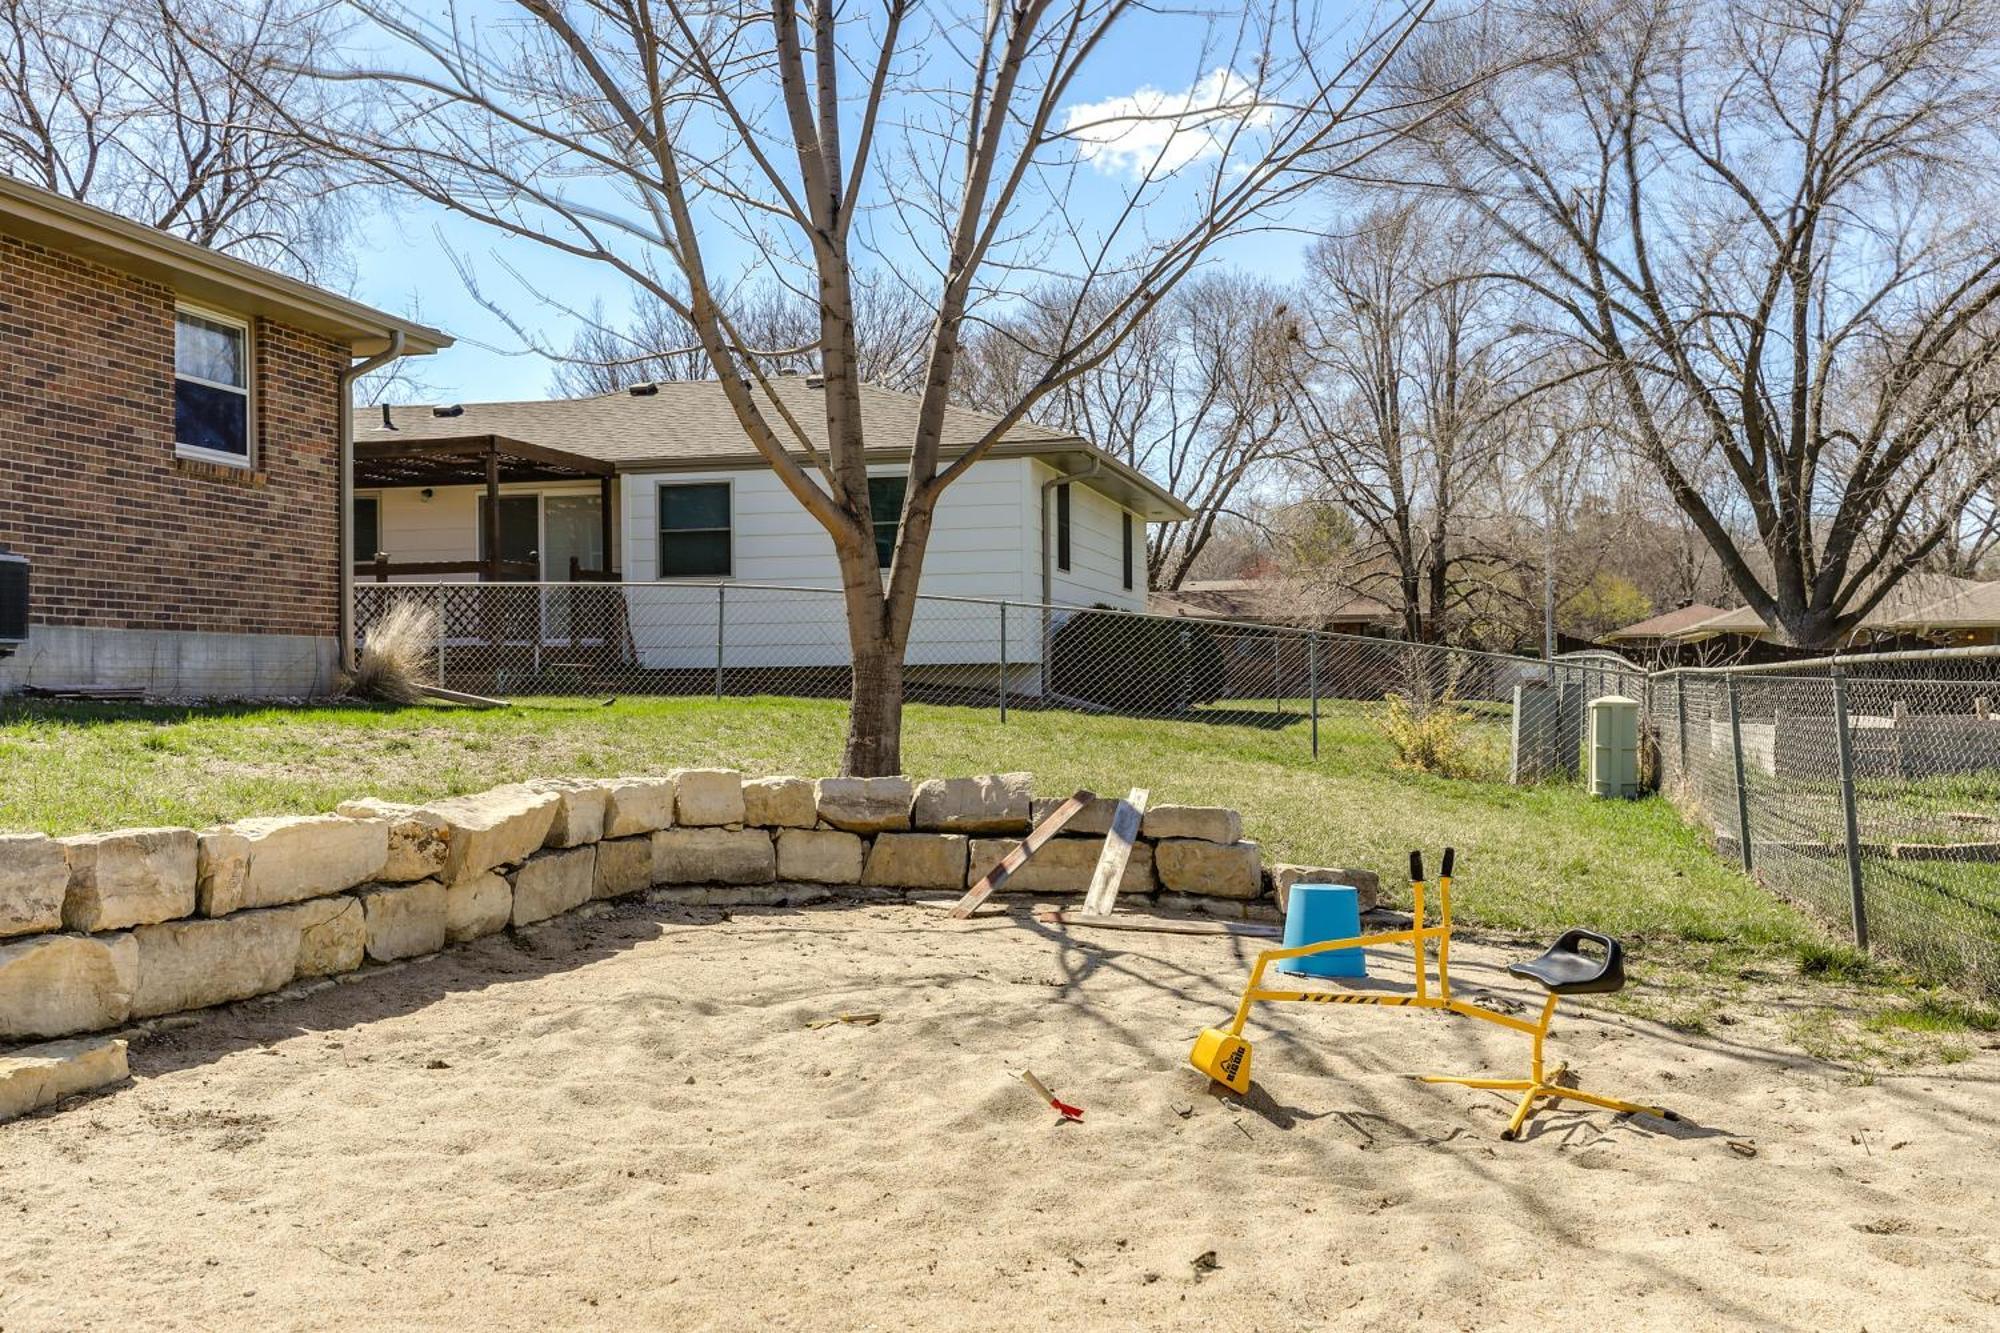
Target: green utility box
(1614,746)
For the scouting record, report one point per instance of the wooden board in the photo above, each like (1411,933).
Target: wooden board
(1162,926)
(1017,858)
(1110,872)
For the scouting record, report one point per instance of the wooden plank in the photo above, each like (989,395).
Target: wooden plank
(1163,926)
(1117,853)
(458,697)
(1017,858)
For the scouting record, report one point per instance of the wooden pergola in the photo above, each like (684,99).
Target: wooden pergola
(474,460)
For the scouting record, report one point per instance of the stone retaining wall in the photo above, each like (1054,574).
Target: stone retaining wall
(102,929)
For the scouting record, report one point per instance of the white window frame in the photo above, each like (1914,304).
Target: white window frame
(248,459)
(659,509)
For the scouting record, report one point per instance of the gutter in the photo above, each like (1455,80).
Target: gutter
(1095,466)
(345,427)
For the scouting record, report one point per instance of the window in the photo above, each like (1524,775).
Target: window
(885,508)
(694,531)
(367,528)
(212,387)
(1128,550)
(1062,526)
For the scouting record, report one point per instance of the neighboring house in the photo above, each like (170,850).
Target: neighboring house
(1923,605)
(1655,631)
(170,427)
(1279,601)
(659,487)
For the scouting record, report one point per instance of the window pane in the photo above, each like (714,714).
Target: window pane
(367,528)
(685,507)
(885,507)
(694,555)
(208,350)
(885,498)
(206,418)
(1062,526)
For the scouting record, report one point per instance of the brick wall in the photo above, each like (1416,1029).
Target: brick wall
(123,534)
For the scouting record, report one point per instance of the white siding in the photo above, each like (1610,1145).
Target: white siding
(1096,576)
(978,548)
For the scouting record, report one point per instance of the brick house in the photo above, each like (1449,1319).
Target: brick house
(172,461)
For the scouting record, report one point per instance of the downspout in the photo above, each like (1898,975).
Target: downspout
(346,490)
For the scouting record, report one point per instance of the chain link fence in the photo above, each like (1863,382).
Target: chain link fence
(1868,793)
(726,640)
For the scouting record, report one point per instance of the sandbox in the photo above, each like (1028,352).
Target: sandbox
(622,1117)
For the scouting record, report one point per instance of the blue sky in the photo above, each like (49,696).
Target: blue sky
(403,258)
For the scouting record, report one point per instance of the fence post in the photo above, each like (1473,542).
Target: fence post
(1277,674)
(1844,747)
(1742,787)
(720,590)
(1681,717)
(441,634)
(1003,662)
(1312,683)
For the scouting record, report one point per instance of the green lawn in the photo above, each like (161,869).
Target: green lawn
(1532,860)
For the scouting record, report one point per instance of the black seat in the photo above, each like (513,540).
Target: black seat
(1564,971)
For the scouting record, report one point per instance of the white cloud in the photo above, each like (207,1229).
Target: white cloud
(1161,132)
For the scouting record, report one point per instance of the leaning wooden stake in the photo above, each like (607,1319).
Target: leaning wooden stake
(1017,858)
(1117,853)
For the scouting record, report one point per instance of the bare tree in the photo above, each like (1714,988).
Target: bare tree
(935,141)
(145,107)
(1193,396)
(658,344)
(1769,223)
(1403,374)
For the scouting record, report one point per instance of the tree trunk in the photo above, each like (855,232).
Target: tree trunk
(874,747)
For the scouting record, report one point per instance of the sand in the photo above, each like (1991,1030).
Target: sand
(623,1120)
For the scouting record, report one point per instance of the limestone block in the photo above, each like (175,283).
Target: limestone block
(864,805)
(405,921)
(819,856)
(289,858)
(1210,823)
(917,861)
(221,866)
(637,805)
(53,985)
(418,838)
(553,883)
(1063,865)
(333,934)
(494,828)
(580,816)
(1220,870)
(38,1076)
(713,856)
(129,878)
(194,964)
(994,803)
(624,865)
(1366,883)
(1093,820)
(477,907)
(779,803)
(34,877)
(708,797)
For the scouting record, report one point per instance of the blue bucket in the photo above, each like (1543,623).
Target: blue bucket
(1317,912)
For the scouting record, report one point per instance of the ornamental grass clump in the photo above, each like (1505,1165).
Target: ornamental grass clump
(395,657)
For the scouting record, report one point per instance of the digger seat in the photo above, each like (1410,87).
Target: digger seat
(1565,971)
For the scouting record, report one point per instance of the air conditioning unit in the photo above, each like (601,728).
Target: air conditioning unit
(13,601)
